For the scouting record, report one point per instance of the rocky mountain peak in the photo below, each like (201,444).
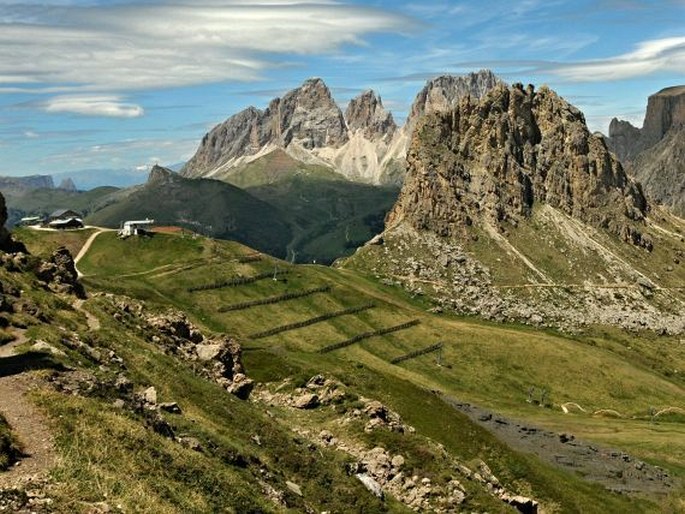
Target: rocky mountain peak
(489,161)
(366,113)
(443,93)
(665,111)
(160,175)
(67,185)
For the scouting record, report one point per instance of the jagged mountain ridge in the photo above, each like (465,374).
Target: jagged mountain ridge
(364,144)
(513,210)
(655,154)
(496,158)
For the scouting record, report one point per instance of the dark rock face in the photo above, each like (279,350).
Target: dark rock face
(366,113)
(661,170)
(7,244)
(665,111)
(60,275)
(443,93)
(67,185)
(655,155)
(307,116)
(488,162)
(159,176)
(623,137)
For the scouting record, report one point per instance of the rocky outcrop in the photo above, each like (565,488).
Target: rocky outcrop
(366,113)
(159,176)
(655,154)
(306,118)
(443,94)
(661,170)
(665,112)
(218,358)
(623,138)
(59,273)
(491,161)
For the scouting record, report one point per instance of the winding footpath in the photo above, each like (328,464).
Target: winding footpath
(27,422)
(84,250)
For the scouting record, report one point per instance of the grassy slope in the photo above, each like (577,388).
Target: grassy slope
(207,206)
(488,364)
(330,215)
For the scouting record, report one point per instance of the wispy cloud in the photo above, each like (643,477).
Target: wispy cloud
(108,106)
(160,45)
(649,57)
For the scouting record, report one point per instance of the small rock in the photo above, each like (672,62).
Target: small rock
(171,407)
(307,401)
(150,396)
(370,484)
(397,461)
(294,488)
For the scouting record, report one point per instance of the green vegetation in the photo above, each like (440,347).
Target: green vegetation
(205,206)
(108,454)
(10,450)
(43,202)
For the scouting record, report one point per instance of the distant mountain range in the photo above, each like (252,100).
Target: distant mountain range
(364,144)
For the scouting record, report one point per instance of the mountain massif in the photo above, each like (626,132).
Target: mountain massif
(655,154)
(512,209)
(364,144)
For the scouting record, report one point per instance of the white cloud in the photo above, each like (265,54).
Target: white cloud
(132,47)
(649,57)
(108,106)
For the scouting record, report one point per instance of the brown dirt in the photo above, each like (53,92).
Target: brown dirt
(27,422)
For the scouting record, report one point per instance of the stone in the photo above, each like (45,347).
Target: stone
(149,396)
(292,486)
(171,407)
(306,401)
(373,486)
(397,461)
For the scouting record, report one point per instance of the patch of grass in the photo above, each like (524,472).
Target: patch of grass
(10,449)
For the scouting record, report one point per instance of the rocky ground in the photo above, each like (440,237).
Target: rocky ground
(614,469)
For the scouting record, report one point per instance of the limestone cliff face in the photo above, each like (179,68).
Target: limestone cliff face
(364,145)
(306,117)
(655,154)
(366,113)
(443,94)
(661,170)
(491,161)
(665,111)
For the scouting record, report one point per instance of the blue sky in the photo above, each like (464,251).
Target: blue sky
(126,84)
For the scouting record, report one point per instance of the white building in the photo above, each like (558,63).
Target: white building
(135,228)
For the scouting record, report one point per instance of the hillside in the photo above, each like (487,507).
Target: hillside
(205,206)
(348,393)
(512,210)
(43,201)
